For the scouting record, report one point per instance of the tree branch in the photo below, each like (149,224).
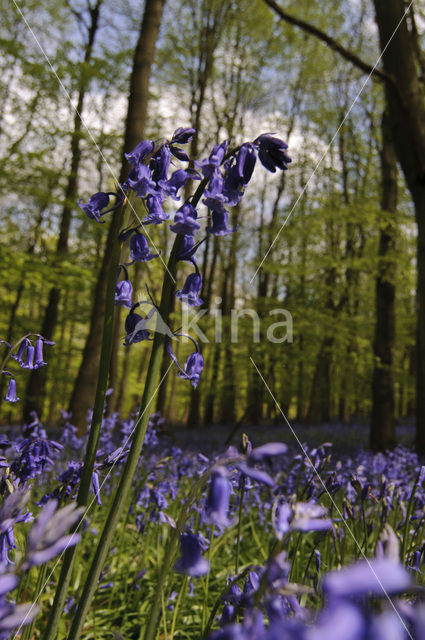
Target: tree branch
(331,43)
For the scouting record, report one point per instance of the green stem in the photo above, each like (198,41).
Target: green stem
(133,457)
(407,521)
(238,538)
(207,580)
(365,529)
(182,592)
(94,433)
(28,631)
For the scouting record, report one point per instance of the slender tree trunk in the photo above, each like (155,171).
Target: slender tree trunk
(37,380)
(85,384)
(382,433)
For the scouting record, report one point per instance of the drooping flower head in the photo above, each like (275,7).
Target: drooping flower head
(11,391)
(185,221)
(191,561)
(140,152)
(139,250)
(217,505)
(272,152)
(94,208)
(191,290)
(123,293)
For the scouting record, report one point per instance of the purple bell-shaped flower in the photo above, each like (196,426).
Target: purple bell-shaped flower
(217,506)
(191,289)
(123,293)
(191,561)
(11,391)
(139,250)
(185,221)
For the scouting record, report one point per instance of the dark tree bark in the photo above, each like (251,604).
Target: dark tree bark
(406,110)
(85,385)
(382,431)
(37,380)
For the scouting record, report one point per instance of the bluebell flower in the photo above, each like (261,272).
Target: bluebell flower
(36,453)
(11,391)
(193,368)
(191,289)
(139,250)
(12,509)
(191,561)
(123,293)
(376,577)
(342,620)
(140,152)
(220,218)
(15,617)
(140,181)
(214,191)
(183,135)
(180,154)
(245,162)
(160,164)
(302,516)
(135,327)
(215,159)
(156,214)
(217,505)
(29,362)
(272,152)
(19,356)
(255,474)
(318,559)
(185,220)
(96,487)
(97,203)
(239,171)
(266,451)
(177,180)
(47,535)
(186,248)
(39,362)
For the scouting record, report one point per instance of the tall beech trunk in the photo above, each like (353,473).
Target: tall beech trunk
(382,428)
(35,391)
(85,385)
(406,110)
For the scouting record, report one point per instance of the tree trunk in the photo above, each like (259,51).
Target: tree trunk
(37,380)
(406,109)
(382,432)
(85,385)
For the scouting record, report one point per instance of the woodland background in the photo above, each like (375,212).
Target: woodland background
(344,265)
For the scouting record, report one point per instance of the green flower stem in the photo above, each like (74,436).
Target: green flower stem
(129,470)
(207,580)
(94,433)
(182,593)
(41,578)
(239,533)
(404,545)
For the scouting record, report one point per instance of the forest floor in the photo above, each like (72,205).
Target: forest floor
(345,438)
